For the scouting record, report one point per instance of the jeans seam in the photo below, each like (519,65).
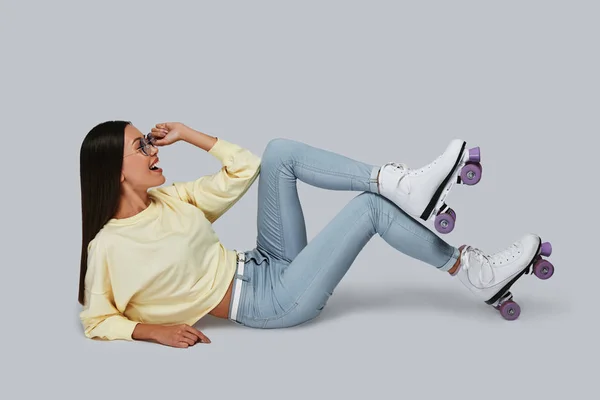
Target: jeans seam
(278,194)
(279,219)
(406,229)
(420,237)
(346,175)
(313,280)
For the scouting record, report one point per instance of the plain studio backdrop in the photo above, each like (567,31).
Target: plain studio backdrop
(375,81)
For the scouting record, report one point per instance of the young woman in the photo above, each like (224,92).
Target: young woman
(152,266)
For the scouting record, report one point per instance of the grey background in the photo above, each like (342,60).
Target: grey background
(376,81)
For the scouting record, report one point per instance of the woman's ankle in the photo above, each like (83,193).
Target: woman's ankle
(454,269)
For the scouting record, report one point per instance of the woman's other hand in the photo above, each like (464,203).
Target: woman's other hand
(167,133)
(181,335)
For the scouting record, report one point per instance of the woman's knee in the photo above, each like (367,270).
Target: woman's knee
(280,149)
(368,201)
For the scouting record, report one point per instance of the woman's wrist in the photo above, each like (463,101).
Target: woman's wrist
(144,331)
(198,139)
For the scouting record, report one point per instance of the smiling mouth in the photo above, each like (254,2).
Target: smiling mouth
(155,167)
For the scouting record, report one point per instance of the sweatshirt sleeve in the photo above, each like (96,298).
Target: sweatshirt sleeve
(217,193)
(100,317)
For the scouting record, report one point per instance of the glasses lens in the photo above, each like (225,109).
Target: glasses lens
(146,143)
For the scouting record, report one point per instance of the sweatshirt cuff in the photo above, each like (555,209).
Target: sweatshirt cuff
(115,327)
(125,328)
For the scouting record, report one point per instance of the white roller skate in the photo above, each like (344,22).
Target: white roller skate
(490,276)
(421,192)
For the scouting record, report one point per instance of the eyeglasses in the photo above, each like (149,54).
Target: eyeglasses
(146,143)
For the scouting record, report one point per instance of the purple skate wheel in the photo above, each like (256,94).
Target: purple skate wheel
(444,223)
(475,154)
(543,269)
(546,249)
(471,174)
(510,310)
(451,212)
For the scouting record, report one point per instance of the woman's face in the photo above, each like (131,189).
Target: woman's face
(136,166)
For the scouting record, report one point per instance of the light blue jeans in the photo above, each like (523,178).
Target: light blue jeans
(287,281)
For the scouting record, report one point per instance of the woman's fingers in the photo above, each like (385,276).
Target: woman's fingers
(160,128)
(159,131)
(165,134)
(163,125)
(157,136)
(190,336)
(200,335)
(186,341)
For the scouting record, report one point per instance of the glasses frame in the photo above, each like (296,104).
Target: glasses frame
(146,142)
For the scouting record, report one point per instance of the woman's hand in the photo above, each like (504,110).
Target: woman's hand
(169,132)
(181,335)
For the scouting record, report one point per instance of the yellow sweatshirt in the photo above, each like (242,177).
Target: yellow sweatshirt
(166,265)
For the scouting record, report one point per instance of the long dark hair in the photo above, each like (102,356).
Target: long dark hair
(100,163)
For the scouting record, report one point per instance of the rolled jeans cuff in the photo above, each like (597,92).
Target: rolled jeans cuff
(450,263)
(373,187)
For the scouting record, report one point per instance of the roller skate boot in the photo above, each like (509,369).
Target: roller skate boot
(490,276)
(421,192)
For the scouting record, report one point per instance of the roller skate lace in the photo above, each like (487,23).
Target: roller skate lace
(409,171)
(406,171)
(486,262)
